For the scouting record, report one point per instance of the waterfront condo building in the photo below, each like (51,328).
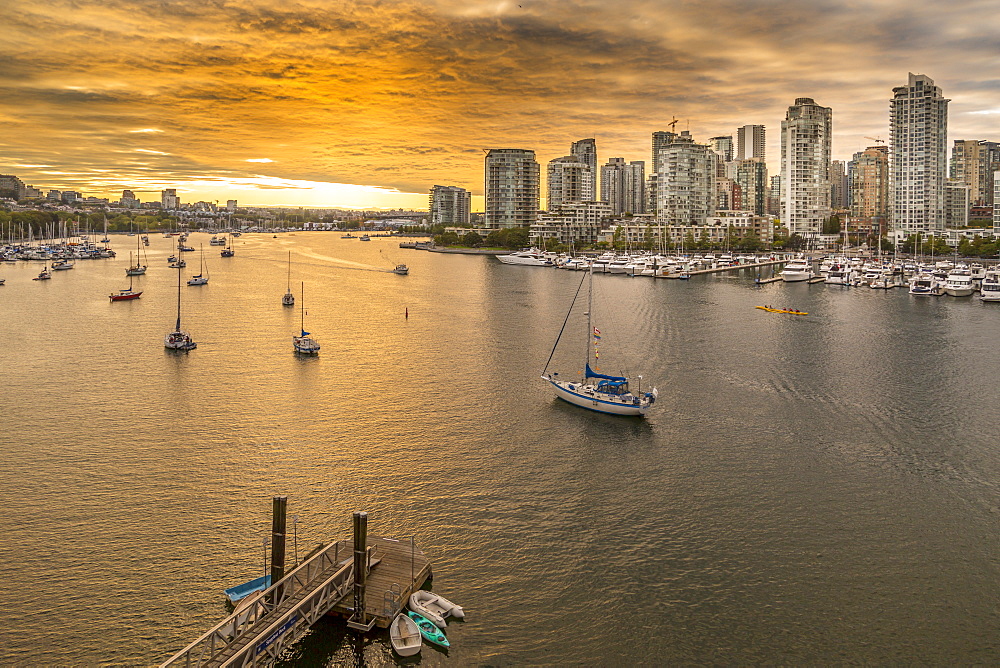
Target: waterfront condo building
(870,189)
(723,147)
(623,186)
(805,167)
(751,176)
(586,151)
(973,163)
(169,200)
(685,182)
(838,185)
(750,142)
(918,131)
(569,179)
(956,204)
(512,177)
(450,205)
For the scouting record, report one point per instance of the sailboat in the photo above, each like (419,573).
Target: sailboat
(202,277)
(135,269)
(228,250)
(288,299)
(597,391)
(125,295)
(178,339)
(304,344)
(44,275)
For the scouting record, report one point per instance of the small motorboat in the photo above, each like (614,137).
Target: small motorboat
(401,269)
(429,630)
(43,276)
(405,636)
(2,281)
(434,607)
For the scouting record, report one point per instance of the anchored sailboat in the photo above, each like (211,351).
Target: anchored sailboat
(597,391)
(179,339)
(125,295)
(304,344)
(202,277)
(289,299)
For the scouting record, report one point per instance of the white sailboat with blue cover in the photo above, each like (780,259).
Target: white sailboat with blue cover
(597,391)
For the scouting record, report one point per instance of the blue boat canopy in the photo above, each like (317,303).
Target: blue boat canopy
(593,374)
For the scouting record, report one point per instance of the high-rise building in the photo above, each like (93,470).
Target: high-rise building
(71,196)
(169,200)
(973,163)
(750,142)
(956,204)
(751,176)
(661,140)
(686,182)
(728,196)
(450,205)
(569,180)
(54,195)
(512,177)
(838,185)
(870,188)
(586,151)
(918,130)
(231,205)
(623,186)
(774,196)
(723,147)
(128,200)
(805,167)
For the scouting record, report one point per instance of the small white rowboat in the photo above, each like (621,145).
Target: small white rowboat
(434,607)
(405,636)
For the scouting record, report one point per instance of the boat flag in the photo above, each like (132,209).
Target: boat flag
(597,332)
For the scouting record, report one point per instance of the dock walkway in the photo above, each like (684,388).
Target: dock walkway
(257,634)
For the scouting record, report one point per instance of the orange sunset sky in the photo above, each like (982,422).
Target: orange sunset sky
(368,104)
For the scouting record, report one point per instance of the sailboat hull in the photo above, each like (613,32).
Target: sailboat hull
(576,394)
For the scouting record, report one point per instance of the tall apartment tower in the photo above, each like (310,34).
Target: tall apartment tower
(723,147)
(450,205)
(512,177)
(838,184)
(586,151)
(169,200)
(623,186)
(750,142)
(751,177)
(805,167)
(685,182)
(569,180)
(918,131)
(870,188)
(973,163)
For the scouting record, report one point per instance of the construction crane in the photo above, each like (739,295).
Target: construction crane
(672,123)
(878,140)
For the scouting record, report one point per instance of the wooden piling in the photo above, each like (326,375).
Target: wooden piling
(279,506)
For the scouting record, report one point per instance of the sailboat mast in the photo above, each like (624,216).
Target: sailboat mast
(178,326)
(289,271)
(302,304)
(590,310)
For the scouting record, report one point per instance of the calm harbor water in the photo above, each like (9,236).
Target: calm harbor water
(806,490)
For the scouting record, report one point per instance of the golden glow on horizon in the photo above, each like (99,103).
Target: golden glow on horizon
(369,104)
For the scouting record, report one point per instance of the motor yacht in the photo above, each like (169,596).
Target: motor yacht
(959,283)
(797,270)
(989,291)
(925,284)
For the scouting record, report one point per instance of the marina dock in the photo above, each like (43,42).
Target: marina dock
(716,270)
(366,580)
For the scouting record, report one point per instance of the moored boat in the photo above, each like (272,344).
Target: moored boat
(303,343)
(401,269)
(428,629)
(435,607)
(404,634)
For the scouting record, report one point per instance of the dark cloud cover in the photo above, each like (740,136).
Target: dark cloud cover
(405,94)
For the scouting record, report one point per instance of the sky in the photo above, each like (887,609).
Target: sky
(337,103)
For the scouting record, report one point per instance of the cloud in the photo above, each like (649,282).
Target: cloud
(402,95)
(259,160)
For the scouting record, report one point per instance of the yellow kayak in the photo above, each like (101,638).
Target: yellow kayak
(781,310)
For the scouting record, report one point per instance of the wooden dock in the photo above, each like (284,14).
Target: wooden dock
(381,573)
(716,270)
(399,573)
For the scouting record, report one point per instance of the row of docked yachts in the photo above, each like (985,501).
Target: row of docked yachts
(646,264)
(920,278)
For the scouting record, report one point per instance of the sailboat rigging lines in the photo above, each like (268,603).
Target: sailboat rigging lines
(596,391)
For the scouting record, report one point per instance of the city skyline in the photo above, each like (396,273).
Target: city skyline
(369,105)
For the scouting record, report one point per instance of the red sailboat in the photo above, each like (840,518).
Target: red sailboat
(125,295)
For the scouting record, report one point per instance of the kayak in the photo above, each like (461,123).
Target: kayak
(429,629)
(781,310)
